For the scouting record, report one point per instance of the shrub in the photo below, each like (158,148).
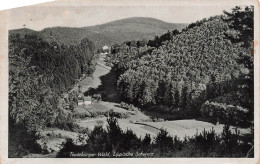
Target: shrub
(98,141)
(79,129)
(100,122)
(226,114)
(127,106)
(112,113)
(164,141)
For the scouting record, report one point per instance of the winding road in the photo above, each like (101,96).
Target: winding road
(94,81)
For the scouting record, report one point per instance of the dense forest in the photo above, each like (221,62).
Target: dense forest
(39,72)
(178,71)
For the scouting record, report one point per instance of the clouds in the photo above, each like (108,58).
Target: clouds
(38,18)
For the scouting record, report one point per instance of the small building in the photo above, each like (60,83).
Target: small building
(87,100)
(84,100)
(103,54)
(80,99)
(105,48)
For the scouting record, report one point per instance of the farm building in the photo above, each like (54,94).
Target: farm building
(105,48)
(84,100)
(103,54)
(87,100)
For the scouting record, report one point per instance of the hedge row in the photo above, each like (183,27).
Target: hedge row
(225,114)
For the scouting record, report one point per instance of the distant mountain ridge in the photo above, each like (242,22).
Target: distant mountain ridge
(118,31)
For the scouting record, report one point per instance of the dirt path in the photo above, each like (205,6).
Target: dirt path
(94,82)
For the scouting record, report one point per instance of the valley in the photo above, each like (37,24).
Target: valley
(134,85)
(140,123)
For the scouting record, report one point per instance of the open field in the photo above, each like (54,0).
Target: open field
(180,128)
(140,123)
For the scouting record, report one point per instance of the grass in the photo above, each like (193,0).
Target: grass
(97,107)
(93,83)
(95,110)
(81,112)
(108,87)
(151,129)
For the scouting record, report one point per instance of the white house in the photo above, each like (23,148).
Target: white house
(84,100)
(103,54)
(87,100)
(105,48)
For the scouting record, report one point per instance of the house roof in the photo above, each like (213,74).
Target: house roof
(105,47)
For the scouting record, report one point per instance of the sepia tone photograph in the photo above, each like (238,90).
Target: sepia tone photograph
(133,81)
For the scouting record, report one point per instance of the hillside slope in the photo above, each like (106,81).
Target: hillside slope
(197,64)
(109,33)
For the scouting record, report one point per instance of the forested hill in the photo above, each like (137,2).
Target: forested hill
(195,65)
(112,32)
(39,72)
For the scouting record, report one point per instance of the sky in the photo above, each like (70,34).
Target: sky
(40,17)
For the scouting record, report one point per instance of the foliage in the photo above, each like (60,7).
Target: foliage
(206,144)
(164,141)
(241,23)
(38,73)
(22,145)
(158,41)
(225,114)
(117,114)
(181,70)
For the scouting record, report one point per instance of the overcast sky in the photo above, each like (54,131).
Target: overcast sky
(38,18)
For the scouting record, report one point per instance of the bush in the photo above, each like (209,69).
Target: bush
(79,129)
(98,141)
(164,141)
(21,141)
(127,106)
(226,114)
(112,113)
